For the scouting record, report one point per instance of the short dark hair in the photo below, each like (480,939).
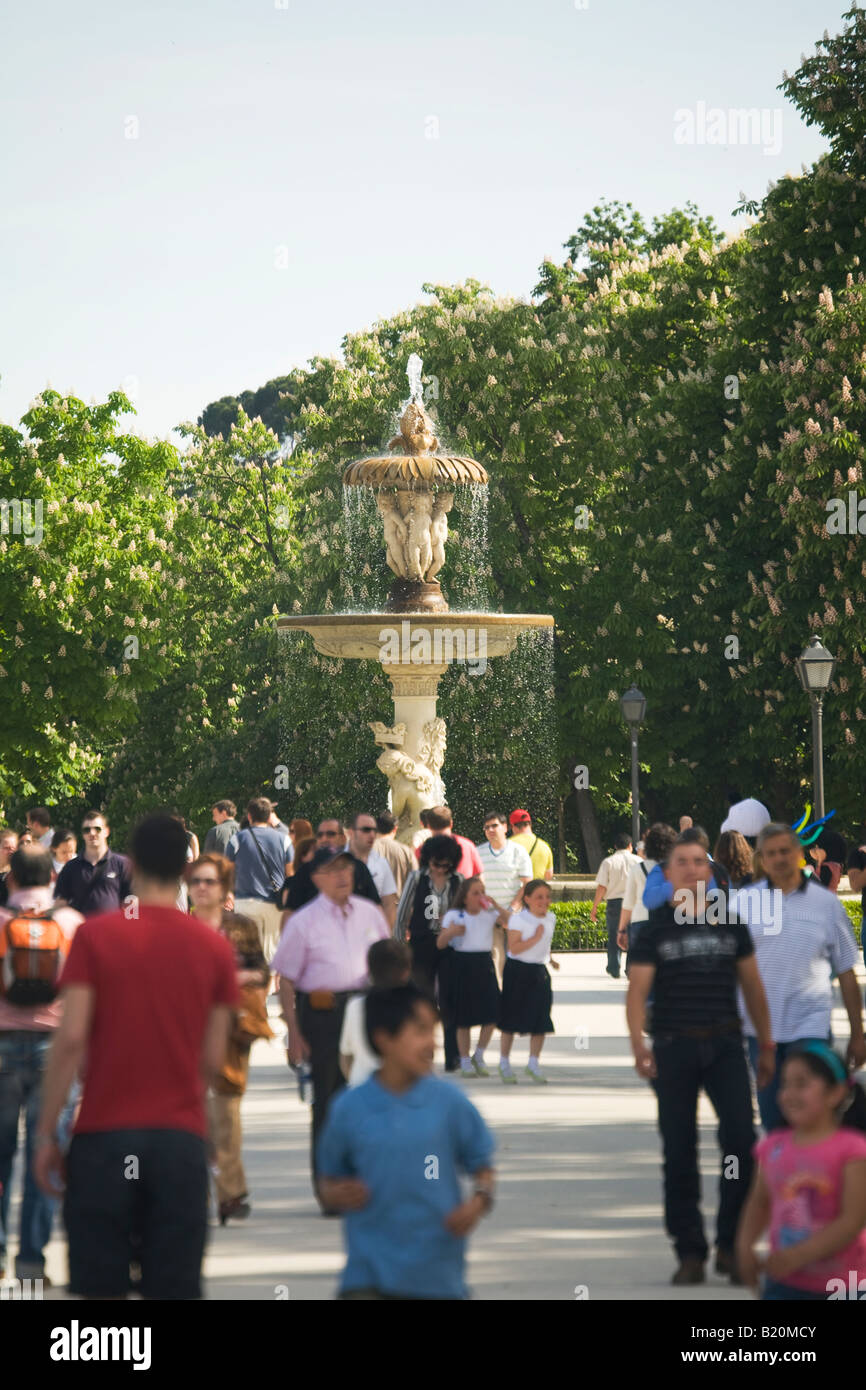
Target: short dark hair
(31,868)
(228,806)
(658,841)
(439,818)
(95,815)
(158,847)
(389,1010)
(341,829)
(41,815)
(694,835)
(388,961)
(440,847)
(61,836)
(385,823)
(623,840)
(495,815)
(423,817)
(353,823)
(258,810)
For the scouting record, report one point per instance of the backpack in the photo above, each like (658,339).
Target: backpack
(33,949)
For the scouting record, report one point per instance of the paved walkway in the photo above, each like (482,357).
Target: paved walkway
(578,1163)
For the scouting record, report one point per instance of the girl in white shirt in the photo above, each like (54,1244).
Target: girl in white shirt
(467,931)
(527,996)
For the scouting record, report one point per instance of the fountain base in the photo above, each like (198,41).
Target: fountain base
(416,596)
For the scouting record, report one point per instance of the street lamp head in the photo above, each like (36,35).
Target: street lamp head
(633,705)
(815,667)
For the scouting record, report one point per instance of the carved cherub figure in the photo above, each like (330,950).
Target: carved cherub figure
(396,534)
(439,533)
(416,432)
(419,549)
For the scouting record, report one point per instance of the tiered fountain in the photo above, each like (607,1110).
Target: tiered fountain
(414,488)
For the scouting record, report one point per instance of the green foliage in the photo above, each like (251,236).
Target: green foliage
(703,399)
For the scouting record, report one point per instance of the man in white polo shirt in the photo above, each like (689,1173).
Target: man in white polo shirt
(507,868)
(610,884)
(802,939)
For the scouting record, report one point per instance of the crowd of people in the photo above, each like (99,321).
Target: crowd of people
(127,1051)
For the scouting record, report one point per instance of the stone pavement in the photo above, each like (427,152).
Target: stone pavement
(579,1177)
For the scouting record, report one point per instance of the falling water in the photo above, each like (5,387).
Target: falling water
(363,573)
(515,696)
(466,574)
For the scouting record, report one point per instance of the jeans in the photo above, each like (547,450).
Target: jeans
(612,911)
(718,1066)
(768,1099)
(778,1293)
(22,1063)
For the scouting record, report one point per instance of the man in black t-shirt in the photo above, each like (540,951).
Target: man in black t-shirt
(693,953)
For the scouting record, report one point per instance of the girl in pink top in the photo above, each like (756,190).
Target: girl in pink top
(809,1186)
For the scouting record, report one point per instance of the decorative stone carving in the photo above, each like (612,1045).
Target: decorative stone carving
(414,786)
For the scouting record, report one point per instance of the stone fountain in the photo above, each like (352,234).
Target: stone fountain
(411,639)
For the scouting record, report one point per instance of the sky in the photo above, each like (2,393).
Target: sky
(198,197)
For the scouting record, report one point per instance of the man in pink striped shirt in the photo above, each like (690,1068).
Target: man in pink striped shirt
(321,960)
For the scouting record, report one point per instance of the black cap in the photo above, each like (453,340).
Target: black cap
(326,855)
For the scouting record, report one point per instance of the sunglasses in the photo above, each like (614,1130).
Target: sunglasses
(327,834)
(92,829)
(366,829)
(207,882)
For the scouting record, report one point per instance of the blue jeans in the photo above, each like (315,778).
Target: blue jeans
(768,1098)
(778,1293)
(22,1063)
(612,910)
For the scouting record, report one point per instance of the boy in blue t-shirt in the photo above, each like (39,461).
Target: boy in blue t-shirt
(389,1158)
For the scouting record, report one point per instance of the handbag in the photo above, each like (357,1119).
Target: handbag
(276,888)
(251,1017)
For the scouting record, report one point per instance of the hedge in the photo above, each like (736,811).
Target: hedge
(575,932)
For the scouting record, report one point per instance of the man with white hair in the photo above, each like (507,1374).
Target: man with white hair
(802,939)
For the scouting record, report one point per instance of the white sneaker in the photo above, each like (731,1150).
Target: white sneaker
(466,1067)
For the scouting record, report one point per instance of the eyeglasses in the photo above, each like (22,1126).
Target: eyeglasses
(92,829)
(439,864)
(207,882)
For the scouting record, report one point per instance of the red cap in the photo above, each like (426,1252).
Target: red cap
(518,817)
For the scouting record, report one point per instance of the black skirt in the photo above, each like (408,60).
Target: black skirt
(527,998)
(474,989)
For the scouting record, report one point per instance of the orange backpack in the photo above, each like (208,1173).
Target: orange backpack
(33,949)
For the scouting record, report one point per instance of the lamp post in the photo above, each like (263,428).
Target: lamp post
(633,706)
(815,668)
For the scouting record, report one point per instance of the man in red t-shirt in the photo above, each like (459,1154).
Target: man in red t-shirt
(147,997)
(441,822)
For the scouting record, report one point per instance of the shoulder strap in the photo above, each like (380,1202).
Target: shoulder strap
(532,846)
(268,867)
(644,868)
